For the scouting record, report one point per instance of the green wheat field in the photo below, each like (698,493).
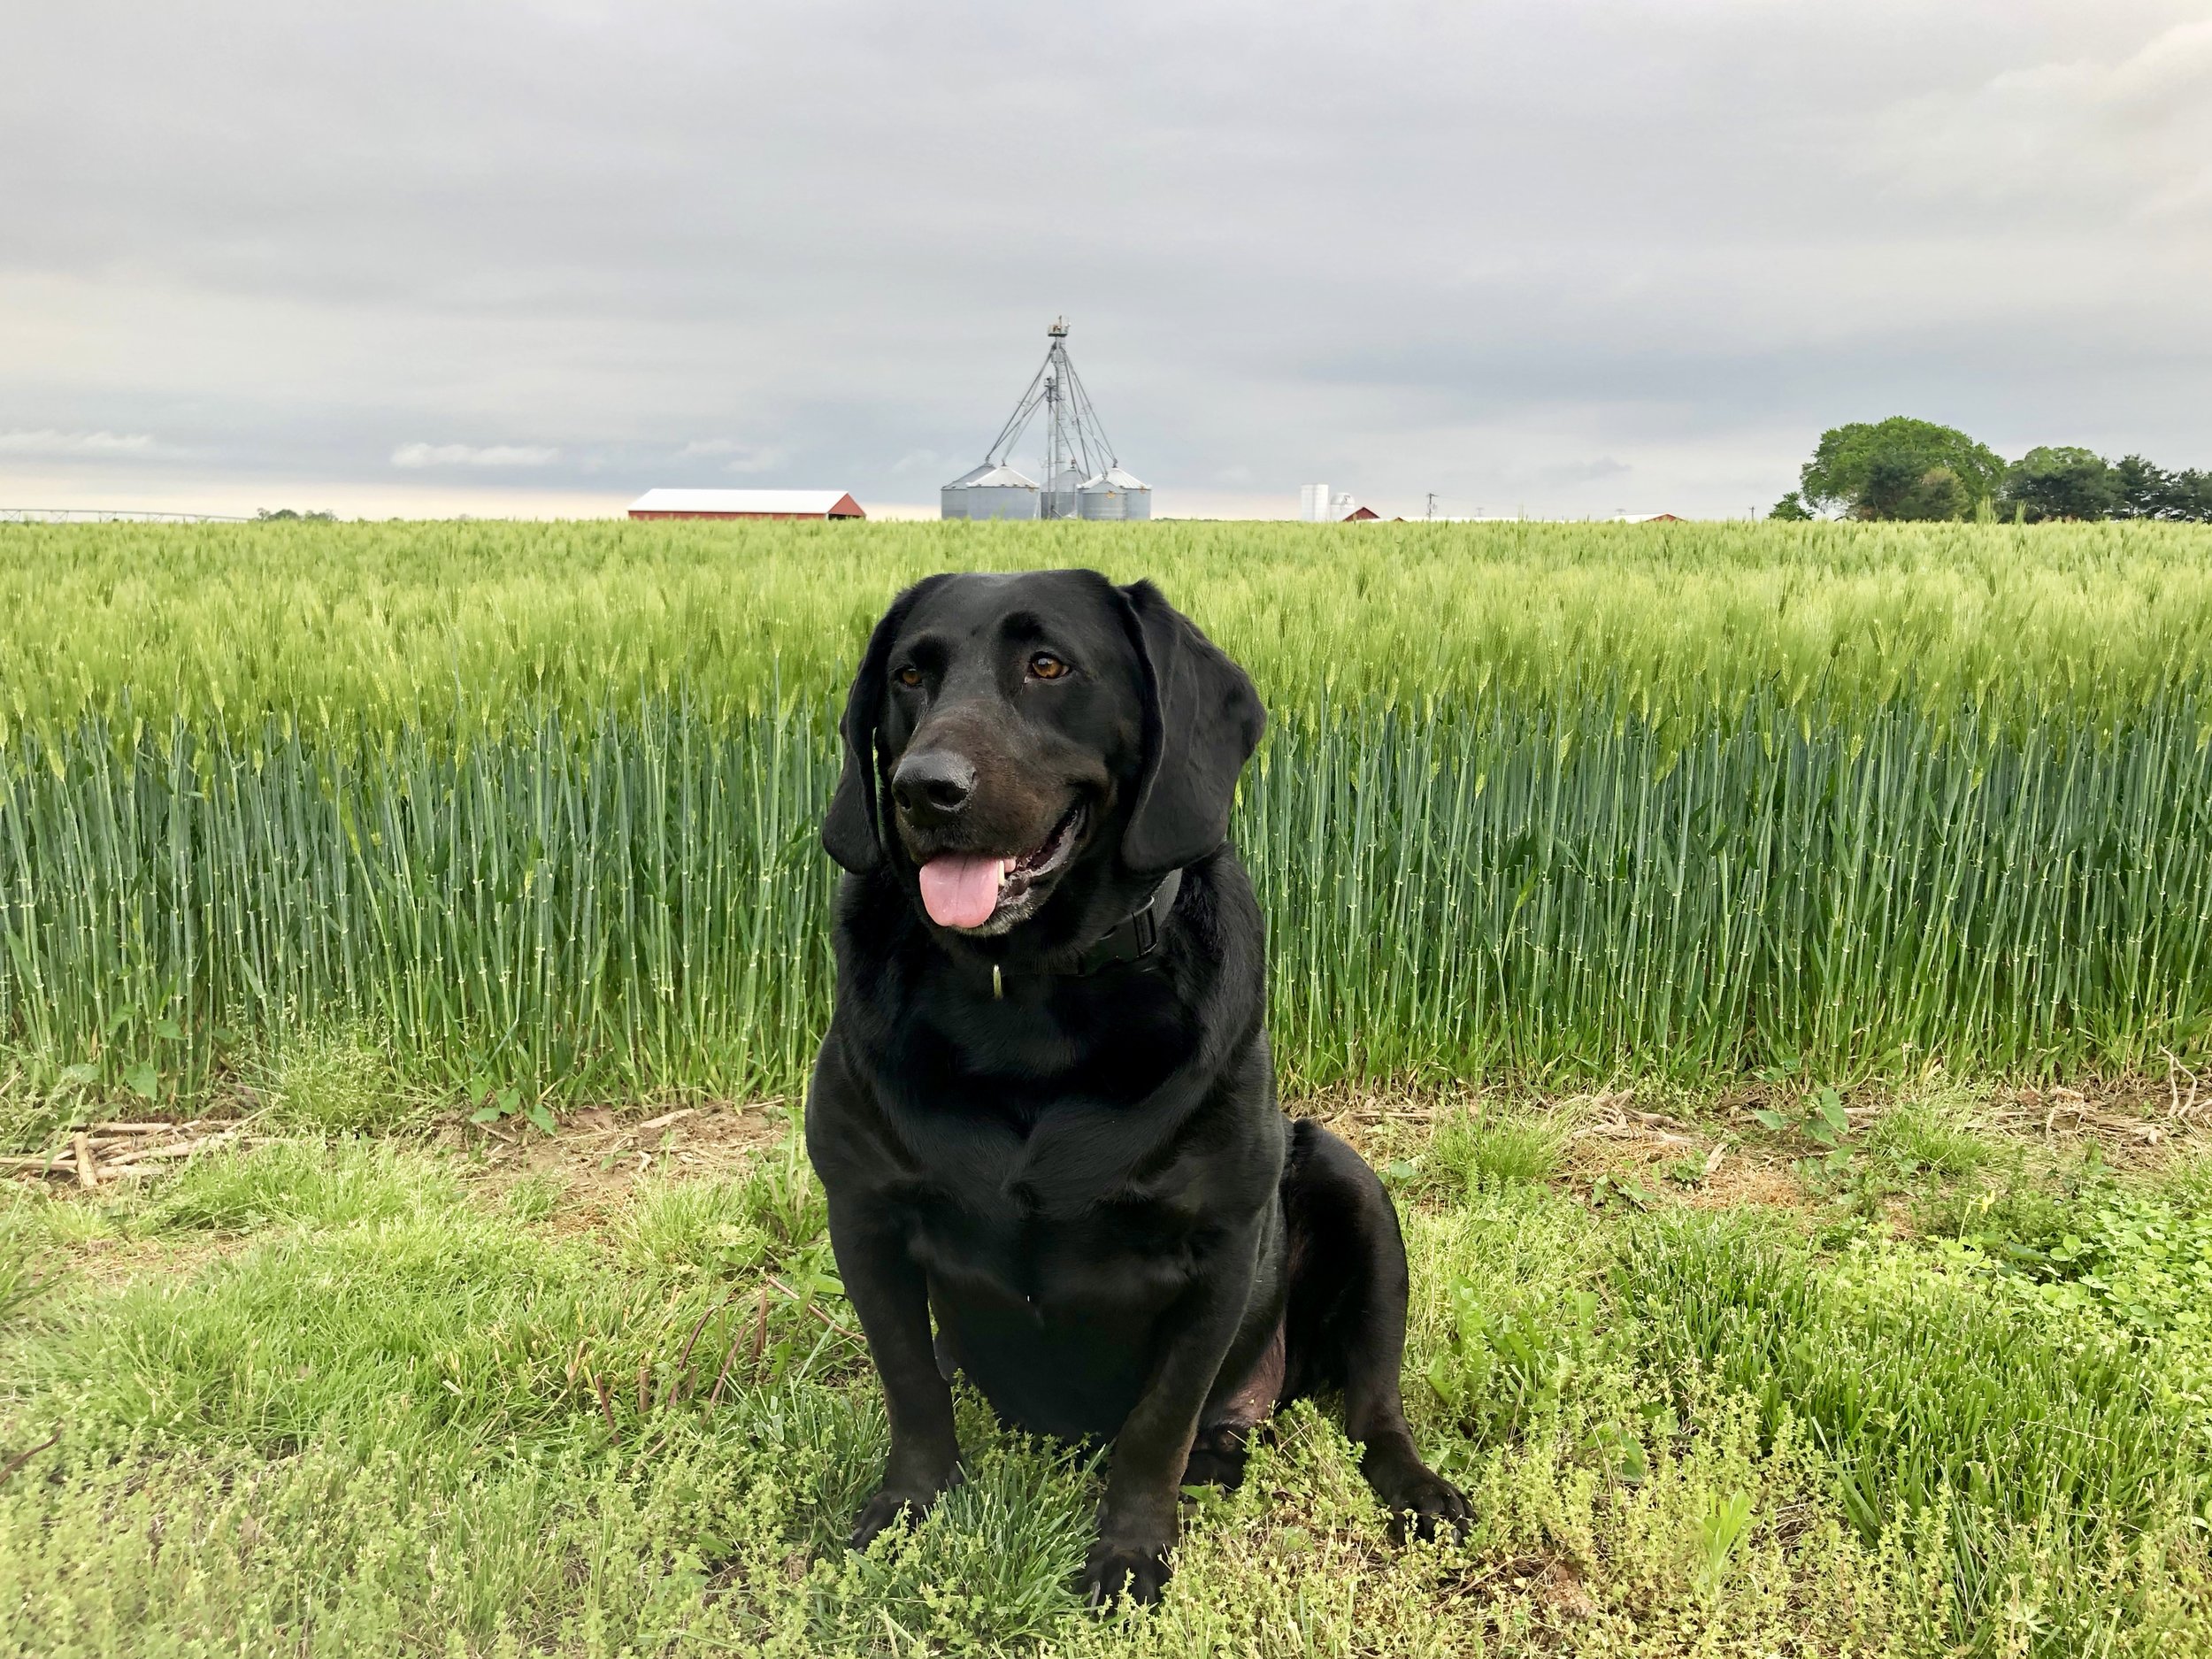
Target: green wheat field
(1771,965)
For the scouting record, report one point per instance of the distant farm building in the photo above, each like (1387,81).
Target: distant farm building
(1083,478)
(989,492)
(745,503)
(1316,505)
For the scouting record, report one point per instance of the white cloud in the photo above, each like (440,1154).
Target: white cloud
(2137,133)
(104,445)
(414,454)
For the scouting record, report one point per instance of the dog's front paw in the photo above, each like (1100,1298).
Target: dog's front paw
(1421,1501)
(1112,1570)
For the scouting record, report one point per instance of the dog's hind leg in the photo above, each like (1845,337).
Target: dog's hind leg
(1219,1451)
(1345,1324)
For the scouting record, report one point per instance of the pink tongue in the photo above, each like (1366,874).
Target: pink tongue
(961,892)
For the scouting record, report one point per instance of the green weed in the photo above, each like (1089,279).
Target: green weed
(773,1215)
(333,1184)
(1933,1395)
(1472,1149)
(1929,1136)
(333,1082)
(1720,1527)
(21,1280)
(534,1198)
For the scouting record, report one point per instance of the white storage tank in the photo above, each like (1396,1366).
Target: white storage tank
(988,492)
(1064,493)
(1114,495)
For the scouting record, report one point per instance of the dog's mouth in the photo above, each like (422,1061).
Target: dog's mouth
(988,893)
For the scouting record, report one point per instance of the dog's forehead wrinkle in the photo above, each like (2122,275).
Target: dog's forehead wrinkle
(926,647)
(1020,604)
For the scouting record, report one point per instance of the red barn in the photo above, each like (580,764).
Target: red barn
(745,503)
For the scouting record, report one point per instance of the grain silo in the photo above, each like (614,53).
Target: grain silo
(1114,495)
(988,492)
(1064,493)
(1083,476)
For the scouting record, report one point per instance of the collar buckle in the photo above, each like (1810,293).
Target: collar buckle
(1136,935)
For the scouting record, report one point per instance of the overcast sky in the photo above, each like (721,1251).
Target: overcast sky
(1565,258)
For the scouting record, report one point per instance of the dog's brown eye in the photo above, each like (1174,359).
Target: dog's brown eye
(910,675)
(1045,666)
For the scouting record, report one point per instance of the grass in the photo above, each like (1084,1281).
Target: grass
(2023,1434)
(772,1217)
(364,831)
(400,1409)
(1931,1134)
(363,819)
(331,1079)
(1474,1150)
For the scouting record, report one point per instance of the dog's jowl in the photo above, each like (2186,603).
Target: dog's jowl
(1044,1113)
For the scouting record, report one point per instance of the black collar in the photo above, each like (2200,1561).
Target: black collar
(1137,936)
(1132,939)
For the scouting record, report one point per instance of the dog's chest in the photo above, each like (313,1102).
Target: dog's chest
(1113,1038)
(1046,1167)
(1056,1217)
(1125,1256)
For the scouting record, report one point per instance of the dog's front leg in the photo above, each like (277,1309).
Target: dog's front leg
(1137,1523)
(888,1291)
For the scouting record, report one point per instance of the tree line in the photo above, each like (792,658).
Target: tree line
(1906,469)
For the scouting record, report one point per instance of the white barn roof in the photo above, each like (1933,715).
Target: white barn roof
(790,503)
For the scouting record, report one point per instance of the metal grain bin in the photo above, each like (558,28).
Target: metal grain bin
(1064,495)
(1114,495)
(988,492)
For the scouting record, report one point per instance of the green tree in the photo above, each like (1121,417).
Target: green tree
(2061,481)
(2142,490)
(1900,468)
(1792,507)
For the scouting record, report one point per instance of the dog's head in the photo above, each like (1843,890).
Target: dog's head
(1004,730)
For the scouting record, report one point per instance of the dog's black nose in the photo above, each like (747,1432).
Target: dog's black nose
(933,786)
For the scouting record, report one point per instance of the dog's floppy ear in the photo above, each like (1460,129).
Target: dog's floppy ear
(1203,720)
(852,829)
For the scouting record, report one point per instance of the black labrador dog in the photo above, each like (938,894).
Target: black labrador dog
(1044,1112)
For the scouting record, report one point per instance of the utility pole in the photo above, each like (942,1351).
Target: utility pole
(1431,513)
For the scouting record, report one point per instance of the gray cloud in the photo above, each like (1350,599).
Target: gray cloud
(1403,248)
(733,457)
(98,445)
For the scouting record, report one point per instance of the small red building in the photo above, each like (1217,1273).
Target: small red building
(746,503)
